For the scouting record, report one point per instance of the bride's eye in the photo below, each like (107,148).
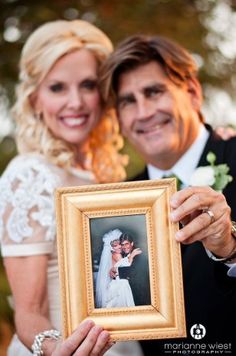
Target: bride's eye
(56,88)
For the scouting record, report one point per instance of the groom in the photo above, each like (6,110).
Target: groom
(137,274)
(158,100)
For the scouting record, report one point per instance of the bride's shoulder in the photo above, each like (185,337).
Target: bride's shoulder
(24,166)
(27,160)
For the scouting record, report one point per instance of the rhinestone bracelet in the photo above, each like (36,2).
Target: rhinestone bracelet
(39,339)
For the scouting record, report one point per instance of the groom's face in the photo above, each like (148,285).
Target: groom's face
(160,118)
(127,246)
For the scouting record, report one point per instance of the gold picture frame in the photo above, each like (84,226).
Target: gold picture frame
(84,214)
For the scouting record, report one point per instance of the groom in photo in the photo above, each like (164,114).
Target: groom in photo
(137,274)
(158,99)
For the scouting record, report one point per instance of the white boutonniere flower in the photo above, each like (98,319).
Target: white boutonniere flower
(216,176)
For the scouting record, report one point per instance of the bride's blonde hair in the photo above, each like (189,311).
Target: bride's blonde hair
(43,48)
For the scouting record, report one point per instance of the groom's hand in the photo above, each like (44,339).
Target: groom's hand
(205,215)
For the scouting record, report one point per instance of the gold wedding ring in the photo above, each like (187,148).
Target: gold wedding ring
(210,214)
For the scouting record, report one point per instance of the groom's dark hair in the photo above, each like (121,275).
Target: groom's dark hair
(126,237)
(137,50)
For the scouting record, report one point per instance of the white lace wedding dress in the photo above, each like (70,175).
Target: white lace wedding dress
(119,293)
(27,227)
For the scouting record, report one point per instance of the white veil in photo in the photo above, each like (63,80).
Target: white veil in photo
(103,276)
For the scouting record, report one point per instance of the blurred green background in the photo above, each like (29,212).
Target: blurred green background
(207,28)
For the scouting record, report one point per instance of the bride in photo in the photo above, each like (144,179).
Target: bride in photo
(116,292)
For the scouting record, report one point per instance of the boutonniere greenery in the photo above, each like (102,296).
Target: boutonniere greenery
(216,176)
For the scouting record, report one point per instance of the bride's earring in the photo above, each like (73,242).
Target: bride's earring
(38,116)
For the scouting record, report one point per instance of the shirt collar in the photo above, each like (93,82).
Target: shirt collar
(186,165)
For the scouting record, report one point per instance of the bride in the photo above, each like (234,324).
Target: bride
(115,292)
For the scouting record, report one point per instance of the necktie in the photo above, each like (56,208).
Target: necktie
(178,181)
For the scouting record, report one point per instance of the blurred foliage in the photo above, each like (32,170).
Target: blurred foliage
(178,19)
(182,20)
(8,151)
(5,310)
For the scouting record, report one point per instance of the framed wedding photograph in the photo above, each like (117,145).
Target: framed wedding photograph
(119,263)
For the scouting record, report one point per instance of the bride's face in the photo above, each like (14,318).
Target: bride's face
(116,246)
(68,99)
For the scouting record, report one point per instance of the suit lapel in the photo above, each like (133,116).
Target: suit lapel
(214,144)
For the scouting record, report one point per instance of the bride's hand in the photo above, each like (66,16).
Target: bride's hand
(88,339)
(135,252)
(225,132)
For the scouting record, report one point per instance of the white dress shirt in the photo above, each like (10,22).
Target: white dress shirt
(187,164)
(184,169)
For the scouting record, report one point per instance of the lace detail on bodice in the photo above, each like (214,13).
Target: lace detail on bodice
(26,199)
